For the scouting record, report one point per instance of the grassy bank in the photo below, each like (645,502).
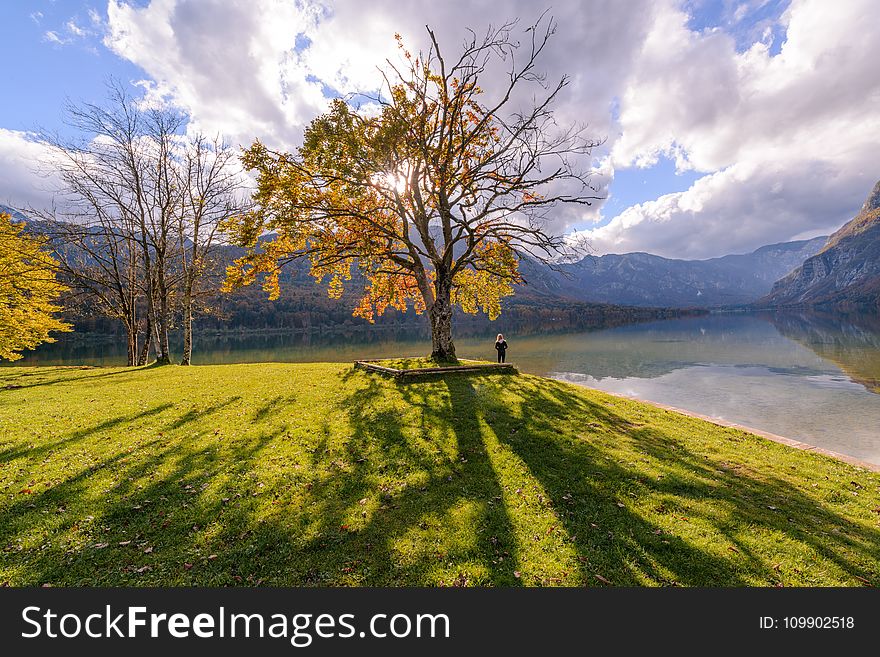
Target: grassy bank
(321,475)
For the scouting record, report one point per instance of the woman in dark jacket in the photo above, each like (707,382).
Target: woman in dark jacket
(501,347)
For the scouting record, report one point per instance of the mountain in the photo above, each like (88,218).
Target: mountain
(305,305)
(12,212)
(642,279)
(633,279)
(845,273)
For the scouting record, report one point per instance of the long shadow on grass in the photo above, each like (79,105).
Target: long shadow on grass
(759,500)
(9,374)
(33,452)
(594,489)
(410,499)
(397,486)
(166,493)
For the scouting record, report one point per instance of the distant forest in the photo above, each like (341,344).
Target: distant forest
(305,306)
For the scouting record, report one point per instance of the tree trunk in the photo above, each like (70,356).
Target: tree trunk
(148,341)
(440,314)
(187,333)
(162,356)
(163,349)
(132,336)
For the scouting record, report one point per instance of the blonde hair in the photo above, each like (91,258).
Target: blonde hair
(499,338)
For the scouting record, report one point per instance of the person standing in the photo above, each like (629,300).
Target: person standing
(501,347)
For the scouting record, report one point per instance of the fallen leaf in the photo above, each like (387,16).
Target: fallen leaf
(602,579)
(125,542)
(143,569)
(211,557)
(732,549)
(516,574)
(620,504)
(148,550)
(100,546)
(187,566)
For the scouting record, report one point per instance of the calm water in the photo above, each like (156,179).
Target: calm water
(811,378)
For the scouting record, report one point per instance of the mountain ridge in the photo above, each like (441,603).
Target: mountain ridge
(845,272)
(645,279)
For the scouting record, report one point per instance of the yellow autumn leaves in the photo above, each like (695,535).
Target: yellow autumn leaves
(28,291)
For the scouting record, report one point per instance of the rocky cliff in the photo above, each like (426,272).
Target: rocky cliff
(846,272)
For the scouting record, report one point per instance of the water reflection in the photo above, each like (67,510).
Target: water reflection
(850,341)
(786,375)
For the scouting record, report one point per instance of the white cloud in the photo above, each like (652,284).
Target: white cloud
(24,178)
(53,37)
(754,205)
(778,130)
(786,141)
(231,63)
(74,29)
(243,68)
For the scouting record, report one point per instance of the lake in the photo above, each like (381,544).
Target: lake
(813,378)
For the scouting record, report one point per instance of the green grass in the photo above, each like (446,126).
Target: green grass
(322,475)
(419,363)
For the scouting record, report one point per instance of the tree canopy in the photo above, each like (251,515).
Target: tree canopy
(434,195)
(28,291)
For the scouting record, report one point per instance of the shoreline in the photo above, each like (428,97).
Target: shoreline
(789,442)
(776,438)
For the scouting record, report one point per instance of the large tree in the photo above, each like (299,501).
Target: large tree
(435,195)
(28,291)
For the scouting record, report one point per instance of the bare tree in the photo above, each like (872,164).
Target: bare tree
(103,209)
(137,215)
(213,193)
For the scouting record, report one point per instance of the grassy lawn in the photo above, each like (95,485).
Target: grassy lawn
(417,363)
(318,474)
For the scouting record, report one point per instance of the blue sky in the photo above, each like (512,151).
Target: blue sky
(712,111)
(40,73)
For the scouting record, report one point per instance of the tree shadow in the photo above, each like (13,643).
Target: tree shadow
(198,414)
(59,377)
(33,451)
(392,506)
(460,480)
(598,498)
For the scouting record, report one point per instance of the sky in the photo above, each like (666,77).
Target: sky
(726,125)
